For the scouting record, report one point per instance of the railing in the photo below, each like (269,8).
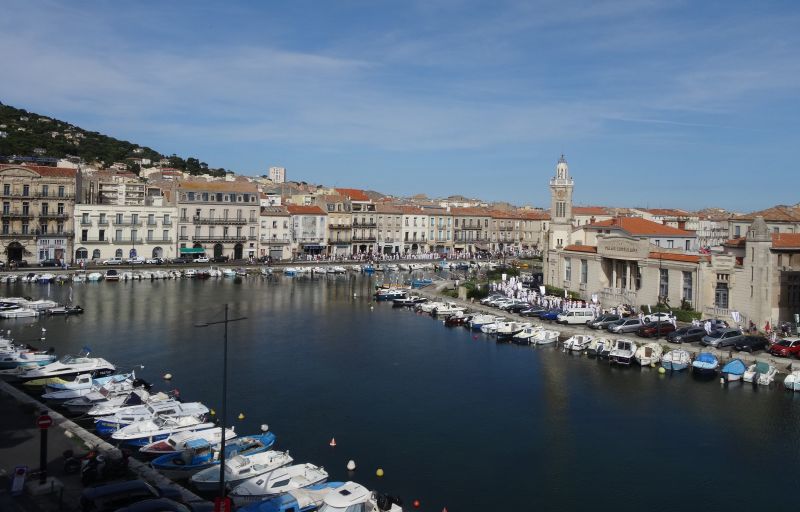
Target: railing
(184,219)
(152,222)
(215,220)
(364,238)
(125,240)
(276,241)
(128,223)
(51,215)
(506,228)
(619,295)
(183,237)
(85,222)
(102,222)
(340,226)
(17,235)
(310,240)
(252,237)
(367,224)
(16,215)
(166,223)
(53,196)
(151,239)
(63,234)
(340,241)
(95,241)
(221,238)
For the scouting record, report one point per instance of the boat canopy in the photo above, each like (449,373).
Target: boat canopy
(762,367)
(735,367)
(197,444)
(706,357)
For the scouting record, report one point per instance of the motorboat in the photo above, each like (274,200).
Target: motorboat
(427,307)
(201,454)
(385,294)
(278,482)
(67,366)
(792,381)
(127,276)
(648,354)
(145,432)
(290,271)
(241,467)
(507,330)
(760,373)
(94,277)
(177,443)
(623,352)
(479,321)
(307,499)
(105,425)
(190,273)
(409,301)
(66,310)
(596,346)
(112,275)
(18,312)
(578,343)
(18,356)
(79,277)
(492,327)
(46,278)
(421,282)
(547,337)
(733,370)
(41,305)
(526,336)
(137,397)
(676,360)
(352,496)
(319,270)
(450,308)
(113,383)
(705,363)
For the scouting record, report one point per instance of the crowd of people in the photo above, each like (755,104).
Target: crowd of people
(373,257)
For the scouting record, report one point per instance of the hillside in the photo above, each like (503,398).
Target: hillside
(28,134)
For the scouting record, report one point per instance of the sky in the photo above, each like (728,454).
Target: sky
(679,104)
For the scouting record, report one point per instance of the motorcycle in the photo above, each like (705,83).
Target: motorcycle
(95,466)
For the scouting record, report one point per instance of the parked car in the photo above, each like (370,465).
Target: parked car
(752,343)
(136,260)
(518,307)
(154,261)
(655,329)
(533,311)
(787,347)
(201,259)
(219,259)
(50,263)
(723,338)
(108,498)
(603,321)
(625,325)
(655,317)
(182,260)
(113,261)
(716,324)
(550,315)
(686,335)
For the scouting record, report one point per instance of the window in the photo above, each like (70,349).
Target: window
(737,231)
(166,220)
(165,235)
(149,234)
(60,227)
(101,235)
(721,295)
(5,227)
(118,235)
(688,245)
(663,284)
(561,209)
(658,243)
(776,230)
(687,286)
(85,218)
(567,269)
(6,189)
(60,208)
(584,271)
(118,219)
(670,244)
(151,219)
(102,220)
(61,191)
(134,218)
(45,191)
(6,207)
(84,235)
(25,229)
(26,190)
(118,253)
(25,208)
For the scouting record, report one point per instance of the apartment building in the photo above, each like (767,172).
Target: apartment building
(309,230)
(275,235)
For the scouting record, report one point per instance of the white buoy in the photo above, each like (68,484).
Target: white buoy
(722,380)
(167,376)
(264,427)
(351,465)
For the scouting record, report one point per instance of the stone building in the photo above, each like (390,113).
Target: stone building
(364,237)
(221,217)
(275,235)
(470,229)
(505,231)
(414,230)
(779,219)
(389,221)
(38,204)
(308,229)
(340,224)
(440,226)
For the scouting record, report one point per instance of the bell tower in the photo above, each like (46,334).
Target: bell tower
(560,205)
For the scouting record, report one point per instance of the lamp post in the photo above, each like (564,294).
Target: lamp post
(222,421)
(658,323)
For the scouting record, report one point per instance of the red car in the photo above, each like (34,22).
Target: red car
(653,329)
(786,347)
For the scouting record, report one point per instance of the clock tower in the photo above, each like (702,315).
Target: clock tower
(560,206)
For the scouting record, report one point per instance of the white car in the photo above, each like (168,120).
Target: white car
(136,261)
(658,317)
(202,259)
(113,261)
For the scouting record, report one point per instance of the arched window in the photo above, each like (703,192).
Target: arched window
(118,253)
(96,254)
(81,254)
(158,252)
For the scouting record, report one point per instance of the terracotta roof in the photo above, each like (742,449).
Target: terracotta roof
(786,241)
(388,208)
(667,212)
(637,226)
(503,214)
(305,210)
(274,211)
(590,210)
(672,256)
(736,242)
(44,171)
(780,213)
(581,248)
(472,212)
(353,193)
(219,186)
(533,215)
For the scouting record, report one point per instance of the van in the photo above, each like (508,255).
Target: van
(576,316)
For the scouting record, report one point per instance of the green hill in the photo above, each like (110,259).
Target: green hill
(27,134)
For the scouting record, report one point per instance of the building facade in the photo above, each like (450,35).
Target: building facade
(309,230)
(470,229)
(389,221)
(275,235)
(440,227)
(37,212)
(340,224)
(277,174)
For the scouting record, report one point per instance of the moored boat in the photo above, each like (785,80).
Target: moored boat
(578,343)
(792,381)
(676,360)
(623,352)
(278,482)
(241,467)
(733,370)
(648,354)
(705,363)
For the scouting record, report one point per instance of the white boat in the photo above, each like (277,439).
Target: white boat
(148,412)
(180,442)
(145,432)
(676,360)
(319,270)
(41,305)
(648,354)
(46,278)
(599,347)
(792,381)
(113,384)
(190,273)
(547,337)
(127,275)
(491,328)
(240,468)
(136,398)
(623,352)
(450,308)
(112,275)
(110,394)
(507,330)
(18,313)
(428,307)
(278,482)
(228,272)
(760,373)
(355,497)
(527,336)
(94,276)
(339,270)
(578,343)
(67,366)
(79,277)
(290,271)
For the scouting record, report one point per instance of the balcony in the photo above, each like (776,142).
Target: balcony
(252,237)
(340,241)
(152,223)
(95,241)
(151,240)
(183,237)
(276,241)
(310,240)
(17,235)
(218,221)
(340,226)
(167,222)
(506,228)
(54,216)
(128,223)
(16,215)
(366,224)
(364,238)
(85,222)
(220,238)
(127,240)
(64,196)
(63,234)
(102,222)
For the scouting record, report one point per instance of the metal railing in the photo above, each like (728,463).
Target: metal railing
(221,238)
(17,235)
(218,221)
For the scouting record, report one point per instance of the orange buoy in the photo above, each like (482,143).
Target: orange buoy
(333,442)
(416,503)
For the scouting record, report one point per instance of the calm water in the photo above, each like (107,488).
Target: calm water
(454,421)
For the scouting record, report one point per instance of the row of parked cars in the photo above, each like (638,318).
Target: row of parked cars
(654,325)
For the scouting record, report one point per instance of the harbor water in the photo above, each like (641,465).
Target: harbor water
(454,419)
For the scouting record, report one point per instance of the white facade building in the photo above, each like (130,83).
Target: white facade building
(277,174)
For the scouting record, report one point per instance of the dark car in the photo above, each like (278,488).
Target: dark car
(533,311)
(516,308)
(168,505)
(550,315)
(655,329)
(50,263)
(686,335)
(182,260)
(752,343)
(603,321)
(219,259)
(107,498)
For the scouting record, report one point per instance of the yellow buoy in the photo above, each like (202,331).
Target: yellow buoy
(213,412)
(379,473)
(662,371)
(241,415)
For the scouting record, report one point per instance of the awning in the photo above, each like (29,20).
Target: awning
(192,250)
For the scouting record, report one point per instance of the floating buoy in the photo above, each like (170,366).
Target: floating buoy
(662,370)
(351,465)
(167,376)
(241,416)
(379,472)
(652,365)
(333,442)
(264,427)
(722,380)
(213,412)
(475,337)
(415,503)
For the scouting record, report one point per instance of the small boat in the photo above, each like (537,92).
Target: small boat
(46,278)
(17,356)
(547,337)
(127,276)
(41,305)
(278,482)
(115,383)
(241,467)
(676,360)
(145,432)
(760,373)
(112,275)
(450,308)
(389,294)
(526,336)
(137,397)
(94,276)
(80,277)
(319,270)
(428,307)
(190,273)
(177,443)
(733,370)
(307,499)
(458,319)
(18,312)
(705,363)
(597,345)
(111,394)
(421,283)
(578,343)
(67,366)
(507,330)
(66,310)
(623,352)
(202,455)
(648,354)
(105,425)
(792,381)
(478,321)
(412,300)
(352,496)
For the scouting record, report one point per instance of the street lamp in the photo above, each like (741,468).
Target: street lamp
(226,321)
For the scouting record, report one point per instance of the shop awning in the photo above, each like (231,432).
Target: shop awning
(192,250)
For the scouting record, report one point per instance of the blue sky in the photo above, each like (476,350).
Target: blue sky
(661,104)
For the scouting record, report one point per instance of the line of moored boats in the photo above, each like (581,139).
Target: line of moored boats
(179,438)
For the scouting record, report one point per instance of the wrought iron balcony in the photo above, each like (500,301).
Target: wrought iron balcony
(95,241)
(364,238)
(54,215)
(16,215)
(219,238)
(364,224)
(219,221)
(17,235)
